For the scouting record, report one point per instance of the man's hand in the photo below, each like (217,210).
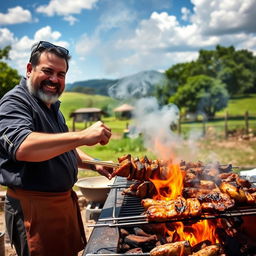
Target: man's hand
(104,171)
(96,133)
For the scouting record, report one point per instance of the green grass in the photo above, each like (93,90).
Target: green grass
(239,105)
(71,101)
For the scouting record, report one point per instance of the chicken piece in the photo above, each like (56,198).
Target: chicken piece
(148,171)
(172,249)
(243,182)
(196,192)
(140,170)
(125,157)
(211,250)
(193,206)
(216,201)
(161,213)
(228,177)
(145,160)
(207,184)
(124,170)
(212,172)
(145,189)
(147,202)
(177,208)
(132,189)
(234,192)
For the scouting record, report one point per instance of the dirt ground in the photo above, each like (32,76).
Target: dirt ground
(9,251)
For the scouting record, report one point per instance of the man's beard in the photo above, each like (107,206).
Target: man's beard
(38,92)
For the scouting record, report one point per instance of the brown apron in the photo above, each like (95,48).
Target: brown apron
(52,222)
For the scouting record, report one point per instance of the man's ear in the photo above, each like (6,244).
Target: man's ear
(29,69)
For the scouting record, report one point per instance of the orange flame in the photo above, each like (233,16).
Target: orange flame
(195,233)
(170,187)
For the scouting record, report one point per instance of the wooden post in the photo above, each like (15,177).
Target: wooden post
(179,126)
(226,125)
(204,127)
(73,125)
(246,118)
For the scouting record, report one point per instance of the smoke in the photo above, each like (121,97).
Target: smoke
(154,123)
(136,86)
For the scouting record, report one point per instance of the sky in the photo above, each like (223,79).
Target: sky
(116,38)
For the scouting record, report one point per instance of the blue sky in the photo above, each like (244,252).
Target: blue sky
(116,38)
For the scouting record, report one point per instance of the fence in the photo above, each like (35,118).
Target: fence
(225,127)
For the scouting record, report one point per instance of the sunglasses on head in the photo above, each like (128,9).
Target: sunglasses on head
(46,45)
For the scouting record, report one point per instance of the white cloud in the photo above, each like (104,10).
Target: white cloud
(225,17)
(118,15)
(86,45)
(21,47)
(15,15)
(185,13)
(70,19)
(47,34)
(161,41)
(6,37)
(66,7)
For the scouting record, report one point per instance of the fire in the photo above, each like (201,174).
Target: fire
(170,187)
(203,230)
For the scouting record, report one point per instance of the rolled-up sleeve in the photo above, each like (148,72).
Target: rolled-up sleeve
(15,125)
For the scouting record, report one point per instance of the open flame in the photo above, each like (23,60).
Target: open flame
(170,187)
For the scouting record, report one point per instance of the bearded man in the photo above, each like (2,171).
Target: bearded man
(39,159)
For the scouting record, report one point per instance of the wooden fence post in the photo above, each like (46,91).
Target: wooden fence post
(226,125)
(179,126)
(246,118)
(204,127)
(73,124)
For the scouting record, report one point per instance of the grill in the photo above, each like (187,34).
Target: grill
(124,211)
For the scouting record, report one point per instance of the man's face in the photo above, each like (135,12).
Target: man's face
(47,80)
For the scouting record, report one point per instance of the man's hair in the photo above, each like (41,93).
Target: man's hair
(38,48)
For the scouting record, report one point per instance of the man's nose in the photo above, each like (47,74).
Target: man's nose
(53,78)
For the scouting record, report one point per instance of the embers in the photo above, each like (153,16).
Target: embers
(234,239)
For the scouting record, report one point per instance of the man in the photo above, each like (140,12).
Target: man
(39,159)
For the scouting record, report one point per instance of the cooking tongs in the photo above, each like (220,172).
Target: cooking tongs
(104,163)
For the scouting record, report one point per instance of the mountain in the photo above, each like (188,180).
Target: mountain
(93,86)
(137,85)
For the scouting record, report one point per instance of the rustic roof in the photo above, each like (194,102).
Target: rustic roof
(86,110)
(123,108)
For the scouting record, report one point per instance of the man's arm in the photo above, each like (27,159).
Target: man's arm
(41,146)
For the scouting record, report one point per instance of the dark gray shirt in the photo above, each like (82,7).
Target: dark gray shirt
(20,114)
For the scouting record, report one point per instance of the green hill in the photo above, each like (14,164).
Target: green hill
(96,86)
(239,105)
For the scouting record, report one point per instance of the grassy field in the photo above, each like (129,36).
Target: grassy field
(210,148)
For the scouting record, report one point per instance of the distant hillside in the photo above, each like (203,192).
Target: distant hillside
(136,85)
(94,86)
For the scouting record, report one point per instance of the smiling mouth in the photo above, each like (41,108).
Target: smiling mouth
(49,87)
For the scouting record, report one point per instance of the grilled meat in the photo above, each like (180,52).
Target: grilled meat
(141,189)
(137,169)
(237,193)
(211,250)
(216,201)
(168,210)
(172,249)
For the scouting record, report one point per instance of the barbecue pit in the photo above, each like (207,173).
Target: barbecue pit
(122,211)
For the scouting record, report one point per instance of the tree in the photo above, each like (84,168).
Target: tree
(201,94)
(234,68)
(9,77)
